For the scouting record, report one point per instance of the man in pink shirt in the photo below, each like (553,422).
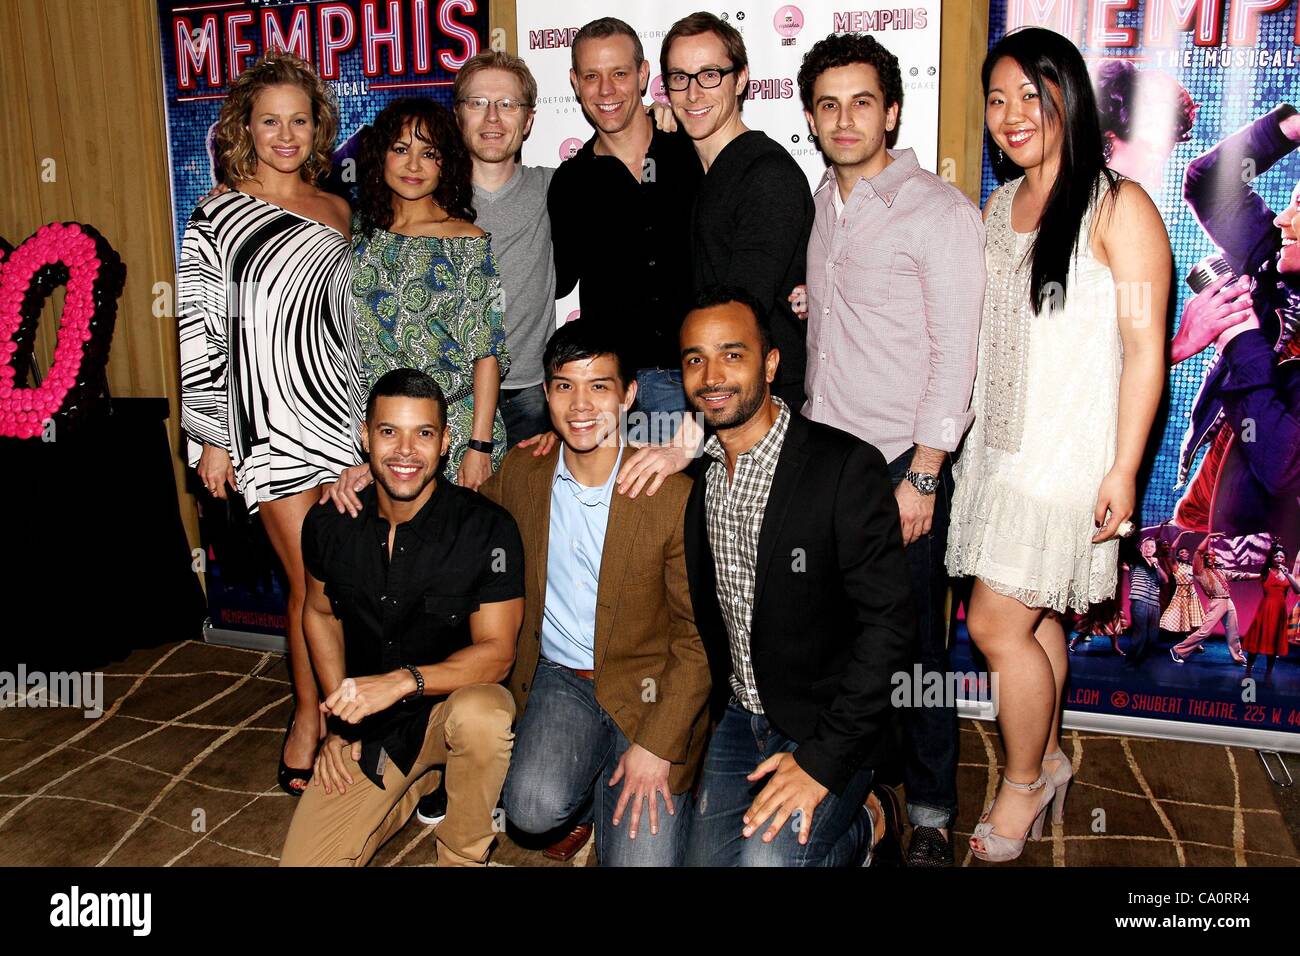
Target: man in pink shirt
(894,294)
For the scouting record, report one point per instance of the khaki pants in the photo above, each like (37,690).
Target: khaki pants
(1219,609)
(470,733)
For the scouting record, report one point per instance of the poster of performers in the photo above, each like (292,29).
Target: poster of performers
(370,52)
(1198,103)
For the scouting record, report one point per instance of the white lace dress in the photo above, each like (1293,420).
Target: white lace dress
(1047,406)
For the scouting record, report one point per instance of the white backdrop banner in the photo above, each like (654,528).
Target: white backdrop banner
(777,35)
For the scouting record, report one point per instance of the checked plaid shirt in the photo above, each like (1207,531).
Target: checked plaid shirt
(734,516)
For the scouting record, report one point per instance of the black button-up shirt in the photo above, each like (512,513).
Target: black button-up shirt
(411,606)
(628,243)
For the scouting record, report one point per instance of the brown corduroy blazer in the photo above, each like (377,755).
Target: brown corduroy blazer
(651,671)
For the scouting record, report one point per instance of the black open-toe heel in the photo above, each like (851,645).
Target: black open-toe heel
(287,775)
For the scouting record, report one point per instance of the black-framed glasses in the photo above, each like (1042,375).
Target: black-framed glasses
(677,80)
(479,104)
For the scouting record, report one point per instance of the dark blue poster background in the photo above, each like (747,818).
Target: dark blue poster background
(371,51)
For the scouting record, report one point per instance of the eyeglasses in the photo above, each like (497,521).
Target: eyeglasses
(478,104)
(677,81)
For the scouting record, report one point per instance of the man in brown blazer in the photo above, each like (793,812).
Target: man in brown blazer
(611,680)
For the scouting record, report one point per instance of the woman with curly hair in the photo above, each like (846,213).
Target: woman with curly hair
(267,367)
(425,288)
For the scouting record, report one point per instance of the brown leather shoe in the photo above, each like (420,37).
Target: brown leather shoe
(567,847)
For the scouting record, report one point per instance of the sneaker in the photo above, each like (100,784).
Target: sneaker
(432,808)
(1174,654)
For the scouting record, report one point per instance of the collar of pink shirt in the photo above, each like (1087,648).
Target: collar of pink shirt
(884,185)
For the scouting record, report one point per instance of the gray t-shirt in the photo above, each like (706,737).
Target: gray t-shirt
(515,216)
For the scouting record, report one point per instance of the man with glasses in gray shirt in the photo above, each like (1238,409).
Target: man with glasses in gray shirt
(495,96)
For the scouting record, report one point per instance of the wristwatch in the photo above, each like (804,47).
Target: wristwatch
(478,444)
(925,483)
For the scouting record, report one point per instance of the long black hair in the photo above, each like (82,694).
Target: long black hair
(435,125)
(1053,64)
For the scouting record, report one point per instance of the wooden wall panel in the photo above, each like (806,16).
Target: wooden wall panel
(964,42)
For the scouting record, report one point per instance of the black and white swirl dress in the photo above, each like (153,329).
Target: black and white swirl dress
(268,364)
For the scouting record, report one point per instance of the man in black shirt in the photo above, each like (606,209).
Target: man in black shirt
(754,210)
(412,612)
(621,212)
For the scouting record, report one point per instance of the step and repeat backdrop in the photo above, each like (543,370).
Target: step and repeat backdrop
(777,35)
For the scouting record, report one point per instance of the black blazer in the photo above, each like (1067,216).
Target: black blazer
(833,616)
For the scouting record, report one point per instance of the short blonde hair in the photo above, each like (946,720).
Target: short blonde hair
(496,60)
(236,156)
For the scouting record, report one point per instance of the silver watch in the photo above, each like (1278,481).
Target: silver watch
(926,484)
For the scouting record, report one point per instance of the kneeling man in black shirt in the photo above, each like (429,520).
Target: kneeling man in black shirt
(412,612)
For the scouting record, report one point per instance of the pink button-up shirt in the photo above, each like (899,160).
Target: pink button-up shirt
(895,293)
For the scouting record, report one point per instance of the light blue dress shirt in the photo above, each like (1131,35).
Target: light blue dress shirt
(579,516)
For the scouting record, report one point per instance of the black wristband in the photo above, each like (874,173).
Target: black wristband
(419,684)
(477,444)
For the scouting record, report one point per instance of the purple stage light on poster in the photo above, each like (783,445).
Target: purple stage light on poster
(1197,104)
(371,52)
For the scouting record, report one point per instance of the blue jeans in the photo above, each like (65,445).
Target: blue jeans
(1146,632)
(930,733)
(840,826)
(566,750)
(660,390)
(524,412)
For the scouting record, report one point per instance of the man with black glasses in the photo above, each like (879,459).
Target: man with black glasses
(754,210)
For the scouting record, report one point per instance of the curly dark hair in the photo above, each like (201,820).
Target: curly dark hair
(845,49)
(1120,85)
(1276,556)
(431,123)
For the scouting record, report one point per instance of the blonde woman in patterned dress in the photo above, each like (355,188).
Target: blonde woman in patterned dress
(267,369)
(1070,372)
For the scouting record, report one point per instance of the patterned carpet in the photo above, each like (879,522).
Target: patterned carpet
(180,770)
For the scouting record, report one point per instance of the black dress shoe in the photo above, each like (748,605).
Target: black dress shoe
(888,850)
(928,849)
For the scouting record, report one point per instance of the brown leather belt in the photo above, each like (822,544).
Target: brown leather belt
(585,675)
